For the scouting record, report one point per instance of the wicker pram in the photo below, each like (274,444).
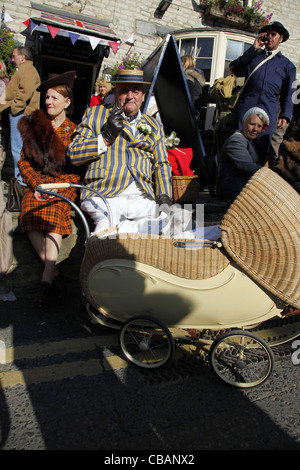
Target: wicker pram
(155,289)
(260,232)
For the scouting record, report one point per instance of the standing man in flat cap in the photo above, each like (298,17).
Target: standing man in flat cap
(126,158)
(270,86)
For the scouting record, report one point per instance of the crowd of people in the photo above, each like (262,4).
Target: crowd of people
(268,92)
(120,152)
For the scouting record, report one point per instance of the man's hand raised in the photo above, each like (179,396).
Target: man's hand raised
(112,127)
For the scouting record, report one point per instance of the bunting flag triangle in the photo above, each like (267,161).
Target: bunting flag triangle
(94,41)
(33,25)
(114,45)
(73,37)
(53,31)
(7,17)
(27,22)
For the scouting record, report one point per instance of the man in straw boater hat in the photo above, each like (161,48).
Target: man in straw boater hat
(126,158)
(270,86)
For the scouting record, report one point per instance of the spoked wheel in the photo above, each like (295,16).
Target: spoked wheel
(146,342)
(241,359)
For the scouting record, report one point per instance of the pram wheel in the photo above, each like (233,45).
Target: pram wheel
(241,359)
(146,342)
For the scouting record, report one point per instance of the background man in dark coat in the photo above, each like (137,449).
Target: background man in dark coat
(271,86)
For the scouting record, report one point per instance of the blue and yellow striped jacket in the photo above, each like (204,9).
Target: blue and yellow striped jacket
(140,157)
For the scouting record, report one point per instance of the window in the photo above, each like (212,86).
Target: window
(233,50)
(201,49)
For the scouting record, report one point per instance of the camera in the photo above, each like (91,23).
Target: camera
(264,39)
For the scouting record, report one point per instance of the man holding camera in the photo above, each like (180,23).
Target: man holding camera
(270,85)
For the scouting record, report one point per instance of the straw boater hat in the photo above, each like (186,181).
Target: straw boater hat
(129,76)
(277,26)
(54,79)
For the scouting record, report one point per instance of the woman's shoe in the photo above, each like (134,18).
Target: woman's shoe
(59,286)
(44,293)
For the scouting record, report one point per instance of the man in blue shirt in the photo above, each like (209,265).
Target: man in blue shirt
(270,87)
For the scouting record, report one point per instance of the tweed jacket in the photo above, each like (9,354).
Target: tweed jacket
(139,157)
(20,94)
(52,215)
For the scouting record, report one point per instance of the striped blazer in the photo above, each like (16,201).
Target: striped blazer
(139,157)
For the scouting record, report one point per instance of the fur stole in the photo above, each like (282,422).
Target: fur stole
(288,165)
(41,145)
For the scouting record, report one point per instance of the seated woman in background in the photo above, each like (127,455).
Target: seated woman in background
(238,159)
(103,93)
(47,218)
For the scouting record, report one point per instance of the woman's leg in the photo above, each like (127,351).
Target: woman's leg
(52,247)
(47,246)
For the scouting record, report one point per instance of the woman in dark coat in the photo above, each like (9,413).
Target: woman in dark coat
(239,159)
(45,218)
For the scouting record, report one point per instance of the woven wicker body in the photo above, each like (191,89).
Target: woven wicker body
(251,278)
(261,233)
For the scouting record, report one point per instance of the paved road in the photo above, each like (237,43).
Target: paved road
(66,386)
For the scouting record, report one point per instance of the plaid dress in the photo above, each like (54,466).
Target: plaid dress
(52,215)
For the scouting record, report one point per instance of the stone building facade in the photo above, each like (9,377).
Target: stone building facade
(124,26)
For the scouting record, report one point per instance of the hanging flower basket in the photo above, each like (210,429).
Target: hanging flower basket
(216,13)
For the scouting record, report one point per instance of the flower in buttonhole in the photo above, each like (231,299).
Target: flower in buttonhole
(172,140)
(144,129)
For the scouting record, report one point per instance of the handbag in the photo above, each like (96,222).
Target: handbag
(14,196)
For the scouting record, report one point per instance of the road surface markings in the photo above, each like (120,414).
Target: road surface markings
(67,369)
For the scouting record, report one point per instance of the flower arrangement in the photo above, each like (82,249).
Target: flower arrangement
(252,15)
(172,140)
(144,129)
(131,62)
(7,45)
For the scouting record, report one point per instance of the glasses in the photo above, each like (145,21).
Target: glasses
(134,91)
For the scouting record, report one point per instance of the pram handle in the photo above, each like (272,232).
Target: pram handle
(46,188)
(54,186)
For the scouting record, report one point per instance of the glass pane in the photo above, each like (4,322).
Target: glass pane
(234,49)
(187,47)
(205,65)
(204,47)
(226,71)
(246,46)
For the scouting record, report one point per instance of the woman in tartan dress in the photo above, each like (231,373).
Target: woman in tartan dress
(46,218)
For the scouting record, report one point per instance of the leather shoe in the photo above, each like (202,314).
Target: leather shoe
(59,286)
(44,293)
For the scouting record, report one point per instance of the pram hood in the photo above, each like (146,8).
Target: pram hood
(261,233)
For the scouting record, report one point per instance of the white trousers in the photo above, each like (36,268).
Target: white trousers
(129,210)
